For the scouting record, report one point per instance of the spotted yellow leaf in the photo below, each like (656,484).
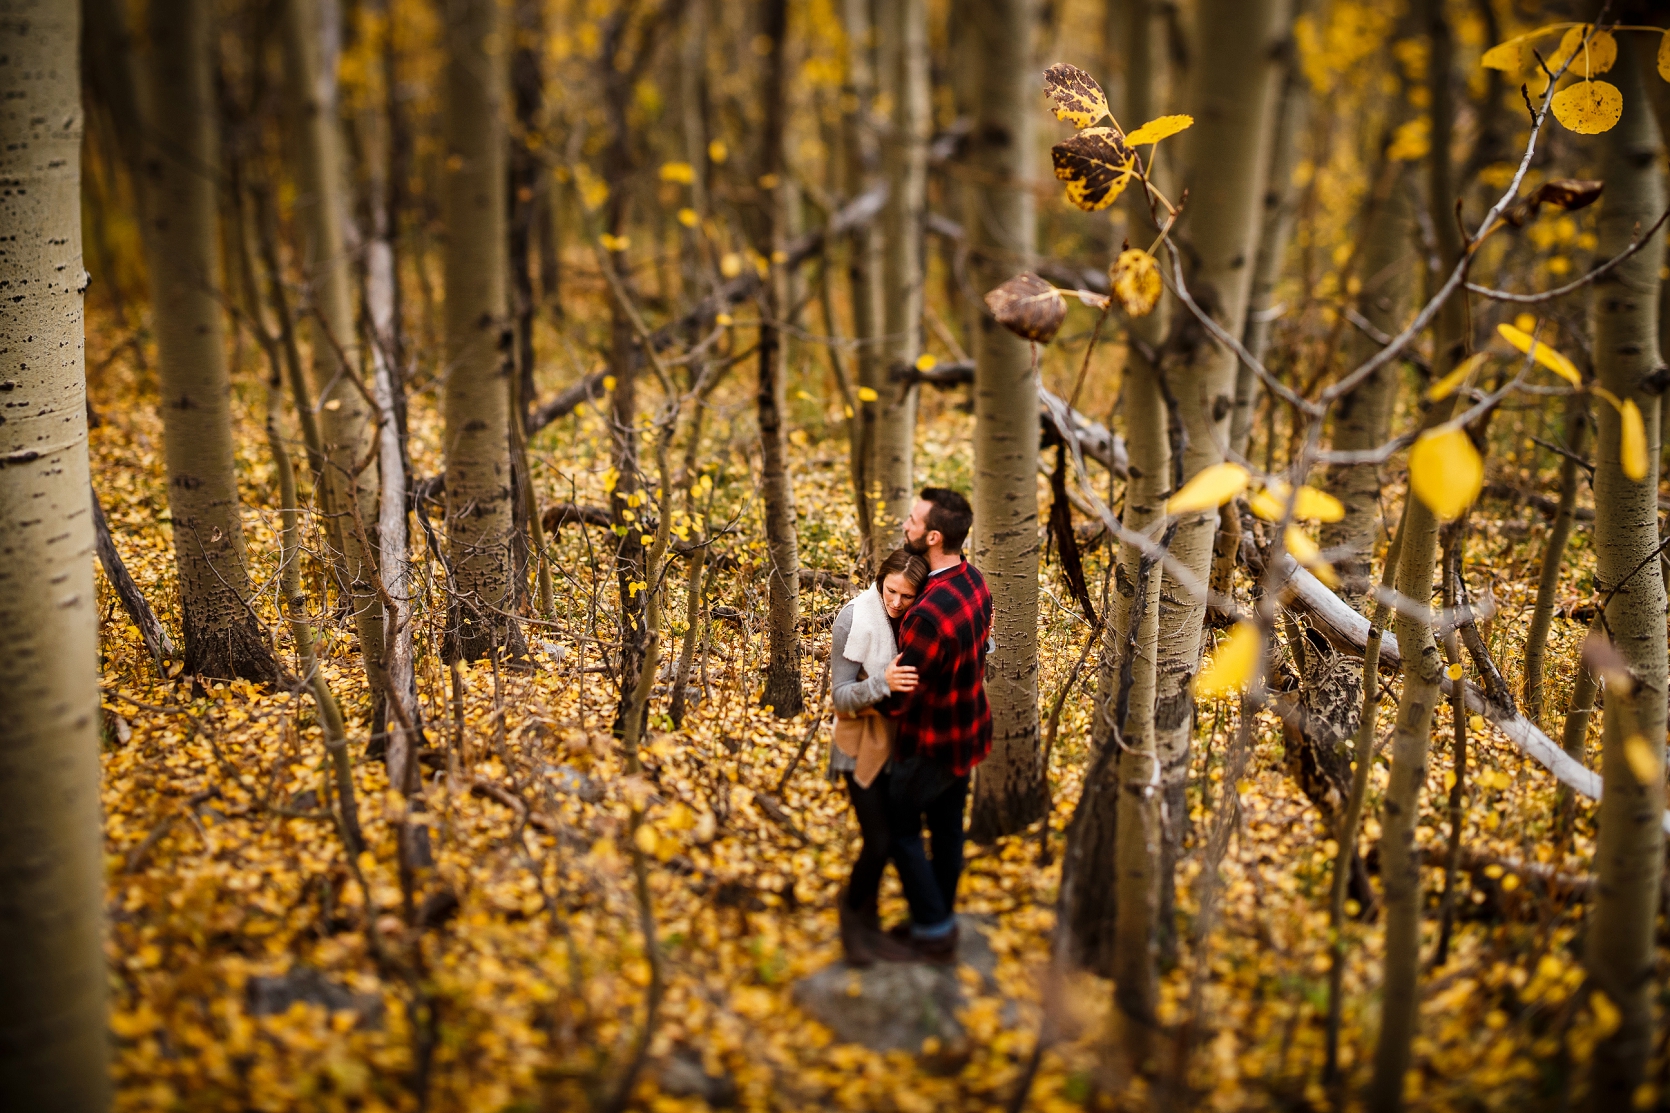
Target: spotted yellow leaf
(1632,441)
(1136,281)
(1096,165)
(1544,354)
(1589,107)
(1162,127)
(1506,56)
(1231,667)
(1078,98)
(1587,60)
(1210,488)
(1445,471)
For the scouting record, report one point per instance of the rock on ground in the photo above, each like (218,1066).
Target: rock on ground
(894,1006)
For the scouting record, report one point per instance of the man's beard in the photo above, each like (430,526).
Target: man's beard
(918,547)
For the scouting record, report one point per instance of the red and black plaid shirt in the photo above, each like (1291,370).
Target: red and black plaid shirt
(944,637)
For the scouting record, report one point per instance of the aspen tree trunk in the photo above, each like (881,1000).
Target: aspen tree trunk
(177,228)
(1554,555)
(1232,90)
(1275,225)
(477,400)
(903,27)
(692,88)
(1116,833)
(1138,859)
(1010,791)
(345,417)
(526,165)
(1629,857)
(864,263)
(223,637)
(53,1040)
(1388,266)
(404,735)
(782,682)
(1422,661)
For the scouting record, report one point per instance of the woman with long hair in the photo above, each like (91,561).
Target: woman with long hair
(863,672)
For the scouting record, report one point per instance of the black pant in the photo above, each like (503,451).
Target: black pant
(936,797)
(870,806)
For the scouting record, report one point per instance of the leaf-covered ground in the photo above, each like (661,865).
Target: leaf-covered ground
(221,868)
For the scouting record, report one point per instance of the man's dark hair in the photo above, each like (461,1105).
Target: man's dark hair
(951,516)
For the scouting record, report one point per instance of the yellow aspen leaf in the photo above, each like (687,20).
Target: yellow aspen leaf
(1161,127)
(926,362)
(1506,56)
(1632,441)
(1231,666)
(1587,60)
(1136,281)
(730,264)
(1453,672)
(644,838)
(1452,382)
(1525,322)
(1664,56)
(1544,354)
(1210,488)
(680,172)
(1313,505)
(724,320)
(769,181)
(687,217)
(1643,763)
(1589,107)
(614,244)
(608,384)
(1304,551)
(1607,1015)
(1077,97)
(1445,471)
(717,152)
(867,394)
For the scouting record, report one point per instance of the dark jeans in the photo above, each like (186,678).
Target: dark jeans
(870,806)
(931,795)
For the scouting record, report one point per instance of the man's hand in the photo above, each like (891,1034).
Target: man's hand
(900,678)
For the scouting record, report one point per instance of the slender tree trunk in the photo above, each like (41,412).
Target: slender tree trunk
(782,682)
(526,164)
(1275,226)
(903,31)
(345,416)
(1010,790)
(1362,418)
(1422,662)
(1629,858)
(223,637)
(1554,555)
(1113,806)
(863,260)
(53,1041)
(1233,82)
(477,400)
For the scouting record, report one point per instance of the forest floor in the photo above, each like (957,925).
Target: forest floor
(219,870)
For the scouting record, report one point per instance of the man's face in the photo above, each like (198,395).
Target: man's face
(916,528)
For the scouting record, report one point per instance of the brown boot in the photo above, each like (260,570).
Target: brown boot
(938,952)
(856,938)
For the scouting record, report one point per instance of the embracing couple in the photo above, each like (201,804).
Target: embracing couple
(908,667)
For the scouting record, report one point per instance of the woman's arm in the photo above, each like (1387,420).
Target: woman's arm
(851,694)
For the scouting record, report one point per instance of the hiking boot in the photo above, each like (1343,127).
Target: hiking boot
(938,952)
(857,938)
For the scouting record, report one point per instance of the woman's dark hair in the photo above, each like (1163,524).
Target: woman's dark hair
(907,564)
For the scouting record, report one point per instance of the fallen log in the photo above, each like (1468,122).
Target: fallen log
(1347,630)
